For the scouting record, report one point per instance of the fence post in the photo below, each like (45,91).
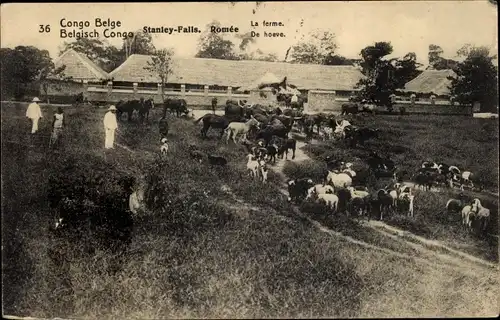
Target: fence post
(183,90)
(205,91)
(85,89)
(159,92)
(110,90)
(229,92)
(135,90)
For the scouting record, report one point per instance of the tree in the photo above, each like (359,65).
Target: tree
(379,82)
(406,69)
(477,79)
(24,67)
(212,45)
(338,60)
(437,62)
(161,64)
(140,43)
(100,52)
(316,50)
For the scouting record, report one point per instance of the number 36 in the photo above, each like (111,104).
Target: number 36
(44,28)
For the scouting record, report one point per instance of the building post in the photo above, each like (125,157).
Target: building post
(205,91)
(229,92)
(110,90)
(183,90)
(85,90)
(159,92)
(135,90)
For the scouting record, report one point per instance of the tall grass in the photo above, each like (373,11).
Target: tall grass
(191,254)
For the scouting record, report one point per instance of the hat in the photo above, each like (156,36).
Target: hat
(163,140)
(112,108)
(35,99)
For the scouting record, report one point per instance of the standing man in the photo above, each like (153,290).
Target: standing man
(214,104)
(57,125)
(110,126)
(163,126)
(294,101)
(34,113)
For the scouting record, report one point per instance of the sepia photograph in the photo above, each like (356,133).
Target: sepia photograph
(250,159)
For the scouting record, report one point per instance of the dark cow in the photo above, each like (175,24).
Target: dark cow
(231,110)
(268,132)
(144,108)
(240,103)
(382,167)
(350,108)
(256,109)
(359,135)
(297,189)
(217,160)
(127,107)
(213,121)
(425,179)
(179,106)
(292,113)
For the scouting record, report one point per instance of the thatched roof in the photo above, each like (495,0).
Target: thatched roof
(79,67)
(239,73)
(435,81)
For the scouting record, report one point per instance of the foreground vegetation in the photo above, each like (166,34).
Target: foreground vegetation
(213,244)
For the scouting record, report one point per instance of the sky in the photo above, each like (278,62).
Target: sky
(409,25)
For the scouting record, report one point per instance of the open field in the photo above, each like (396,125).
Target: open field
(469,143)
(216,244)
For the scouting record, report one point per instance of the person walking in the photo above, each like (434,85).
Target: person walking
(57,125)
(294,101)
(34,113)
(110,126)
(214,104)
(163,126)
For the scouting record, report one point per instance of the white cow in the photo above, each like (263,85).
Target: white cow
(339,180)
(331,200)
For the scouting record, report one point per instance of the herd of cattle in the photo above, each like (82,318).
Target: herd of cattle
(265,134)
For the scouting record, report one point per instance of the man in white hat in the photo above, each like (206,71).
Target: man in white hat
(110,126)
(34,113)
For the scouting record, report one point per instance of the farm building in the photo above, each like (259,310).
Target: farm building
(195,73)
(431,82)
(78,69)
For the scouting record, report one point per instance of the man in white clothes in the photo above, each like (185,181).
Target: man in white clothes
(110,126)
(34,113)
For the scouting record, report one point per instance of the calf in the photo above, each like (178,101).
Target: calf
(289,144)
(252,165)
(297,189)
(272,150)
(264,170)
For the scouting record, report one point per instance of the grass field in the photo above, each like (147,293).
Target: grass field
(214,244)
(469,143)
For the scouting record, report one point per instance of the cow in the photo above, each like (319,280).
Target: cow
(292,113)
(179,106)
(231,110)
(268,132)
(240,103)
(144,108)
(297,189)
(381,167)
(350,108)
(211,120)
(127,107)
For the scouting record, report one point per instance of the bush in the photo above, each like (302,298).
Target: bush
(305,169)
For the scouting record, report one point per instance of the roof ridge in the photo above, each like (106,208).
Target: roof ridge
(94,68)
